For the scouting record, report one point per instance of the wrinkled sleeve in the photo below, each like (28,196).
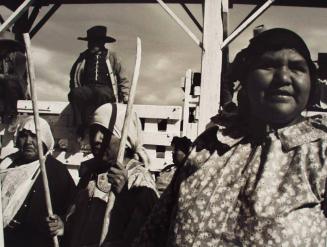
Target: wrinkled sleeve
(146,199)
(76,72)
(123,83)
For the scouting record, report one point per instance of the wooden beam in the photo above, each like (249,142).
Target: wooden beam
(187,97)
(247,23)
(32,17)
(45,18)
(180,22)
(190,14)
(15,15)
(211,62)
(300,3)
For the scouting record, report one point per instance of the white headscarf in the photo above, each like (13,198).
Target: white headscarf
(111,117)
(45,135)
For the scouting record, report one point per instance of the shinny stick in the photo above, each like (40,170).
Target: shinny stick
(2,242)
(31,75)
(121,152)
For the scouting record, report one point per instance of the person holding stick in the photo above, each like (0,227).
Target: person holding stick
(96,78)
(25,212)
(259,178)
(131,183)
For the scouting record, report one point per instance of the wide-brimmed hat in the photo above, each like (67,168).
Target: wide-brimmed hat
(97,33)
(7,39)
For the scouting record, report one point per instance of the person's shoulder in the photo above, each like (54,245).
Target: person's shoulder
(139,176)
(317,125)
(112,54)
(136,167)
(82,56)
(86,167)
(53,163)
(8,160)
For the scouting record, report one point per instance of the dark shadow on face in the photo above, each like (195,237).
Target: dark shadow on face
(95,45)
(97,137)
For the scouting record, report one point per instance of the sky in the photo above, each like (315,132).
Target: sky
(167,52)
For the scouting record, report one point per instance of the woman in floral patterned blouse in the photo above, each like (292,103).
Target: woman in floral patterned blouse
(260,179)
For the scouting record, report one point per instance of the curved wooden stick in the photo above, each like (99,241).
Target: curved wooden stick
(121,152)
(31,75)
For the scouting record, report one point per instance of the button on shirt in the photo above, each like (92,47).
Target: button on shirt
(267,193)
(96,70)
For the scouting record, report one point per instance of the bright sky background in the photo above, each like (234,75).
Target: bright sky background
(167,52)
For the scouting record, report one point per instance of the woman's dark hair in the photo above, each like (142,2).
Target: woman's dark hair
(181,143)
(273,40)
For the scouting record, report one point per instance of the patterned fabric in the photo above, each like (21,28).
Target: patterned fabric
(246,191)
(165,177)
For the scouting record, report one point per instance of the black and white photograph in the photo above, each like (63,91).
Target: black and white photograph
(163,123)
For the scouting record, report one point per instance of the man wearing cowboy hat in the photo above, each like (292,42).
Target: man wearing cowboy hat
(96,78)
(13,84)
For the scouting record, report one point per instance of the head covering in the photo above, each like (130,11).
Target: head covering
(46,134)
(7,40)
(111,117)
(182,143)
(97,33)
(273,40)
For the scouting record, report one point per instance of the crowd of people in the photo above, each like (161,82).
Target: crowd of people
(256,177)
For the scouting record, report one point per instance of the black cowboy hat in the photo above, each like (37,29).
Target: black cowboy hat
(97,33)
(7,40)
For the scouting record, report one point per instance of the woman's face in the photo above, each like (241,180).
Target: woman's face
(27,145)
(278,86)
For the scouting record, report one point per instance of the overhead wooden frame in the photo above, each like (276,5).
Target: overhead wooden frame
(300,3)
(212,37)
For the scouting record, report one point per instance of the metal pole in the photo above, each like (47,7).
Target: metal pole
(31,75)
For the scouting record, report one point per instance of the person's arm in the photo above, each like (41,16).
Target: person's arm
(76,72)
(11,77)
(154,233)
(123,84)
(145,200)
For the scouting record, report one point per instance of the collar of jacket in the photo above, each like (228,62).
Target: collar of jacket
(309,130)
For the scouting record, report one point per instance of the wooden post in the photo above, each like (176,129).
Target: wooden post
(187,96)
(15,15)
(211,62)
(123,139)
(31,75)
